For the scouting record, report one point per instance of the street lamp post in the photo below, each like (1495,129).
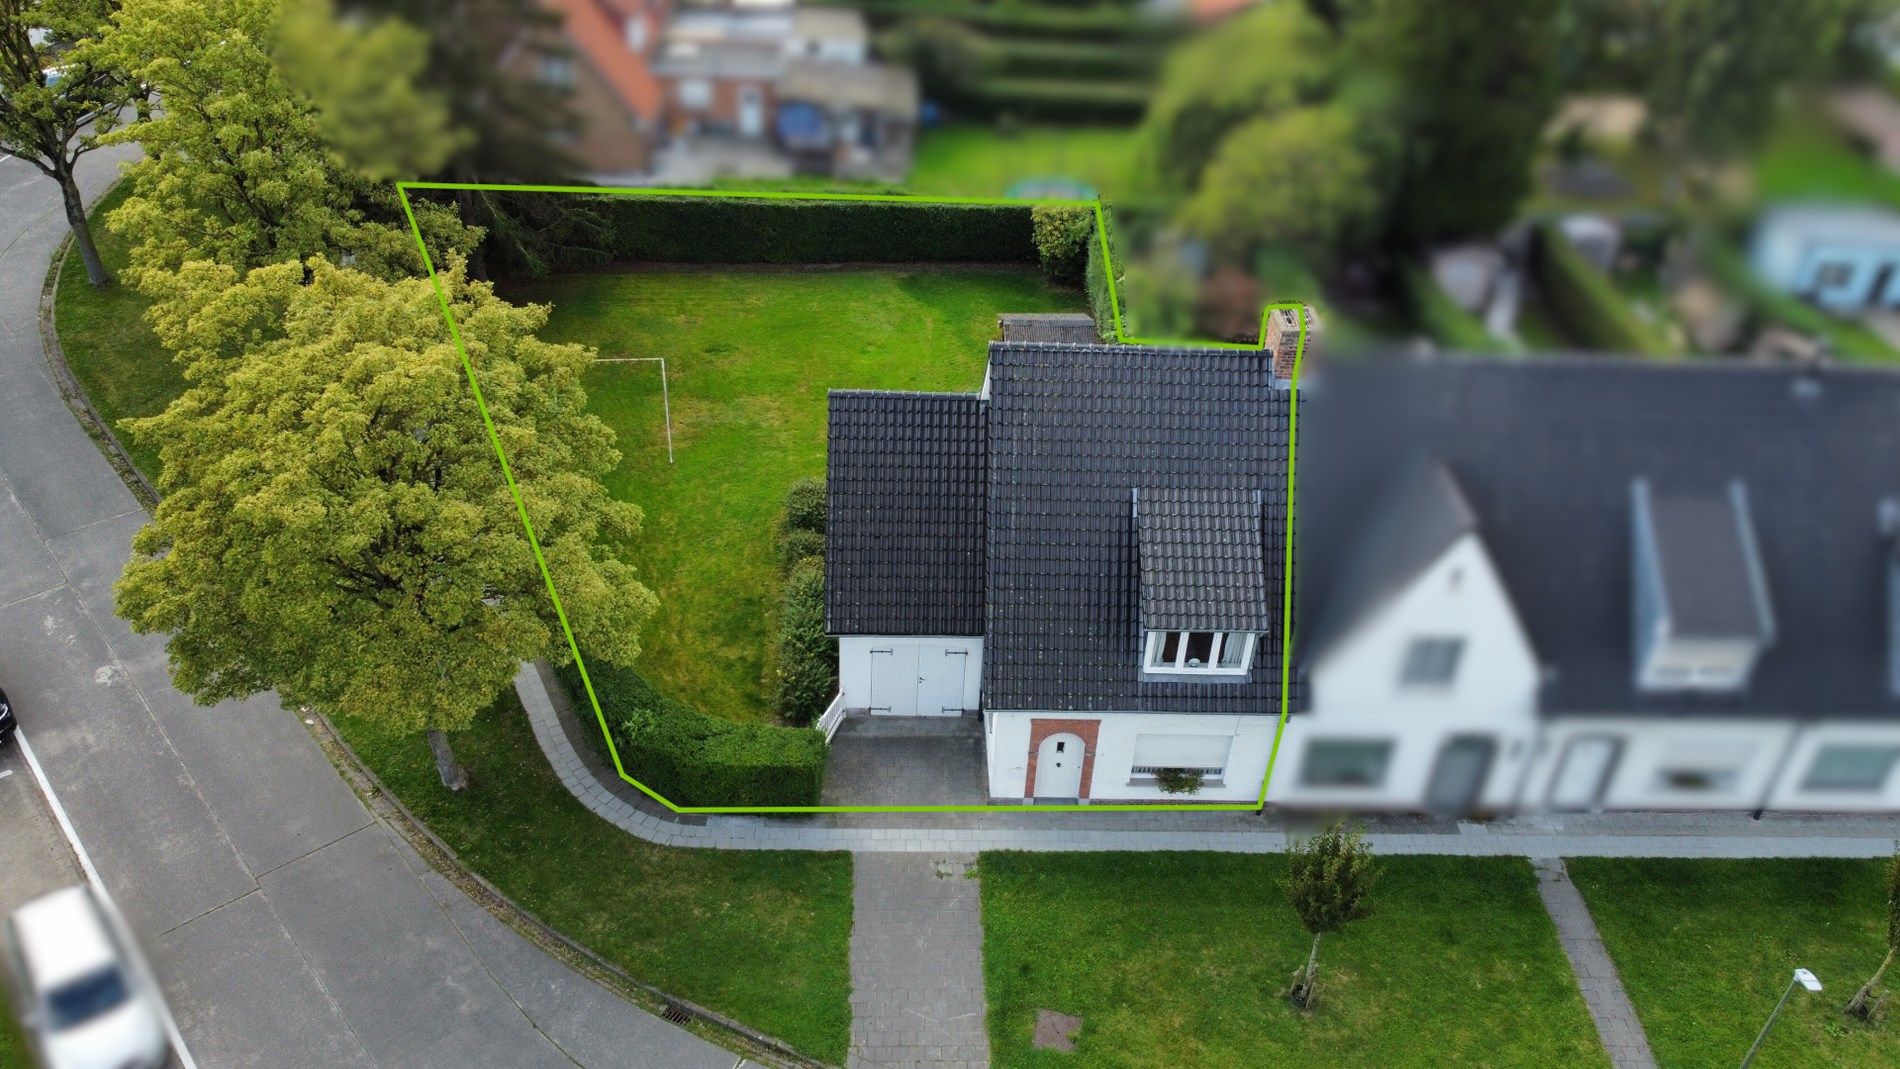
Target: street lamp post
(1805,979)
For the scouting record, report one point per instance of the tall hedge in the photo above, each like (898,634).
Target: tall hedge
(608,229)
(806,674)
(695,759)
(1585,299)
(1062,236)
(1095,281)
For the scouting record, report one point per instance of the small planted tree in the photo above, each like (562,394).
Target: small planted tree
(1329,880)
(1863,1004)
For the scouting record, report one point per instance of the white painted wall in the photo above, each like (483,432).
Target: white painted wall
(1789,792)
(854,663)
(1651,745)
(1006,740)
(1355,690)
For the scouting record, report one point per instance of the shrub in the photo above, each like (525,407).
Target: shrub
(694,759)
(799,545)
(806,675)
(1587,301)
(1062,241)
(805,506)
(1178,780)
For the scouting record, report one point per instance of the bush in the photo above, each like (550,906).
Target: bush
(807,671)
(603,229)
(799,545)
(1586,301)
(693,759)
(805,506)
(1096,282)
(1178,780)
(1062,241)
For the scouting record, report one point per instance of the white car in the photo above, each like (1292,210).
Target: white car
(86,995)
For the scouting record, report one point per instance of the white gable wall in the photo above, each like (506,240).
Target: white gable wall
(1356,693)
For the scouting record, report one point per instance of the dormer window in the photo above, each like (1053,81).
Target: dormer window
(1702,614)
(1200,652)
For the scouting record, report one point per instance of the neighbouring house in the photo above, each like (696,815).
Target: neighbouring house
(1584,585)
(1089,550)
(1844,258)
(668,92)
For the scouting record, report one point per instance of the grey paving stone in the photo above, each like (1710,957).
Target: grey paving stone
(1602,990)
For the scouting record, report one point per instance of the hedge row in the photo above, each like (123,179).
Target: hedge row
(1097,21)
(607,229)
(1096,283)
(1060,100)
(1448,324)
(694,759)
(1585,299)
(805,672)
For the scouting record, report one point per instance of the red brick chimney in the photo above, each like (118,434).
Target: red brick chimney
(1283,339)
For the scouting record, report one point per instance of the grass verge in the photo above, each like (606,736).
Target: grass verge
(1182,959)
(113,353)
(750,356)
(970,159)
(759,936)
(1706,947)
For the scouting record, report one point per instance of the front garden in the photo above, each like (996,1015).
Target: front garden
(1184,959)
(1705,948)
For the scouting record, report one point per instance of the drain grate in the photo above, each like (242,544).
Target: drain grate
(675,1013)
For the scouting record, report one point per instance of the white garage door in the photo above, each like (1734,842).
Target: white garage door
(917,680)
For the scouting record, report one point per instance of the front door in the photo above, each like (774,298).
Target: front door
(1458,778)
(1584,773)
(1059,767)
(940,680)
(751,111)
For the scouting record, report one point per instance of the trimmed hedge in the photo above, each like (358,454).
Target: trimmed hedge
(1095,280)
(1585,299)
(1060,100)
(607,229)
(1442,318)
(694,759)
(807,666)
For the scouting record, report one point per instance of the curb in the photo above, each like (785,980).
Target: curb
(712,1024)
(75,397)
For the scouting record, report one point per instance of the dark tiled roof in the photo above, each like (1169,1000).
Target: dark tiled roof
(1702,541)
(1075,328)
(1073,429)
(905,514)
(1546,452)
(1203,559)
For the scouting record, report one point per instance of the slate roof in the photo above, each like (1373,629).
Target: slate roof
(1073,430)
(1203,559)
(1545,453)
(904,529)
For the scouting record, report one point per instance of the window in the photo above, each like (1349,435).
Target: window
(1832,275)
(1431,662)
(1346,762)
(557,71)
(1210,652)
(1698,766)
(1850,767)
(1206,754)
(695,93)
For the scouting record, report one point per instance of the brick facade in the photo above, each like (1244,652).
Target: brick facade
(1086,730)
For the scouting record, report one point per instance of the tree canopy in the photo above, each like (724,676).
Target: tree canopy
(334,523)
(1300,177)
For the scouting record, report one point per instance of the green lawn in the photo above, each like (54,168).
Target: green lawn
(970,159)
(1805,156)
(750,356)
(13,1051)
(1706,947)
(115,356)
(760,936)
(1182,959)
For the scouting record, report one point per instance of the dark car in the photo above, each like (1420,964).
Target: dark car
(7,720)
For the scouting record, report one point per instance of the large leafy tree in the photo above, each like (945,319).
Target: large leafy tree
(1329,881)
(57,97)
(1466,90)
(334,523)
(276,140)
(1301,177)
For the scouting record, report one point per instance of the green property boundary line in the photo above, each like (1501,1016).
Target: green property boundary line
(1121,335)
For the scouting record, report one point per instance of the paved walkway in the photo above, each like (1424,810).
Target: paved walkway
(288,926)
(917,964)
(570,746)
(1603,993)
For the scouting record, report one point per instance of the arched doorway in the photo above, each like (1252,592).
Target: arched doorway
(1059,766)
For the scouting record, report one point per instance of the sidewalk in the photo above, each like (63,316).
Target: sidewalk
(1602,988)
(1685,835)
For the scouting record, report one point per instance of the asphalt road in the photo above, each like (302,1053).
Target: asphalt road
(289,927)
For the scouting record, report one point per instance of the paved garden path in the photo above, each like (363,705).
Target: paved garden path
(916,963)
(1602,988)
(573,755)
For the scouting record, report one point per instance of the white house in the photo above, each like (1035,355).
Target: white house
(1089,551)
(1844,258)
(1594,585)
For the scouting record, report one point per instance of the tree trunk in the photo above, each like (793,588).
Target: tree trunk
(1857,1006)
(96,272)
(454,776)
(1303,988)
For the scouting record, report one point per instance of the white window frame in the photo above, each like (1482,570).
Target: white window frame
(695,93)
(1151,655)
(1457,646)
